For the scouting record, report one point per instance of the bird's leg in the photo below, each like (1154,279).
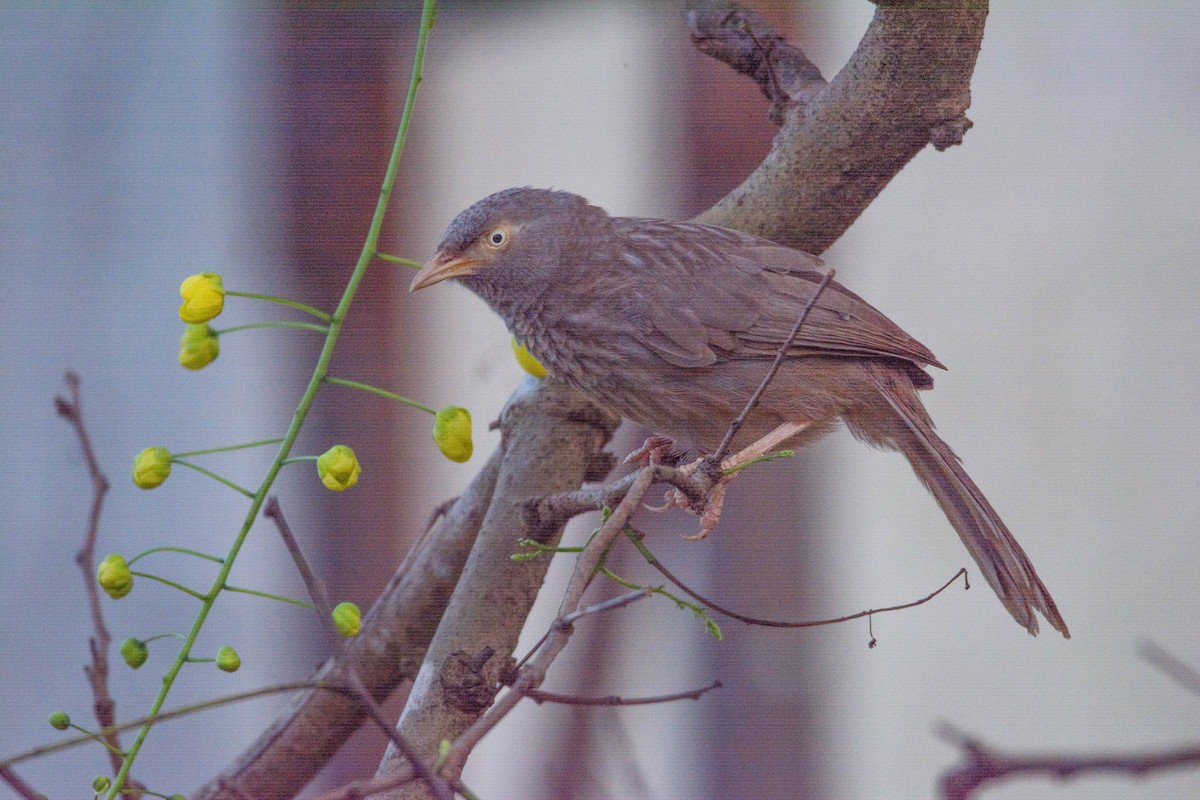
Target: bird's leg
(711,515)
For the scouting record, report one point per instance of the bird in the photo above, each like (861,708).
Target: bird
(674,324)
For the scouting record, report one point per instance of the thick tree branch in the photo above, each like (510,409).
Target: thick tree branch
(551,437)
(907,85)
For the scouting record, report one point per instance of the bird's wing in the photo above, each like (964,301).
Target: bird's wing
(719,295)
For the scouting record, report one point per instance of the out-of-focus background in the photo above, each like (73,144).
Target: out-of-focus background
(1050,262)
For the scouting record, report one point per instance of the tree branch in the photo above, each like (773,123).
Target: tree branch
(551,437)
(982,765)
(907,85)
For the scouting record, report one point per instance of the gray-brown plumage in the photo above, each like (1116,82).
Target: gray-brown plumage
(674,325)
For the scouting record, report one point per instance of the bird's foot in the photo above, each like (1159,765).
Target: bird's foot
(712,510)
(710,515)
(675,498)
(655,450)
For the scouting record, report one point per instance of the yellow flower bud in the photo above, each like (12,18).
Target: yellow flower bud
(228,660)
(198,348)
(114,576)
(151,467)
(527,361)
(135,652)
(60,720)
(452,432)
(338,468)
(347,619)
(101,784)
(203,297)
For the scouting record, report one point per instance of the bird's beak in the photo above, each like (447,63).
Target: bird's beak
(441,267)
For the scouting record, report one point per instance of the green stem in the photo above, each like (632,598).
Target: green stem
(183,550)
(407,262)
(760,459)
(318,377)
(307,326)
(214,476)
(228,448)
(269,596)
(156,637)
(270,298)
(366,387)
(172,584)
(97,737)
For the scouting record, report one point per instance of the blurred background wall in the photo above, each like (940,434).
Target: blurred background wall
(1049,262)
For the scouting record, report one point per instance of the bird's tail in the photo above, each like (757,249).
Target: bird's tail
(999,556)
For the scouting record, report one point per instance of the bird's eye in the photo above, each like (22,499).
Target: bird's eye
(497,238)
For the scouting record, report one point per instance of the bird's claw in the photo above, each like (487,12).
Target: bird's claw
(653,451)
(711,513)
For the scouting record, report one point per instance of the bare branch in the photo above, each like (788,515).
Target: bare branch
(539,696)
(98,645)
(982,765)
(556,509)
(607,605)
(652,560)
(23,789)
(907,85)
(747,43)
(1174,668)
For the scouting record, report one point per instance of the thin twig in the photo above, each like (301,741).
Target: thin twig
(1174,668)
(316,590)
(653,561)
(354,790)
(539,696)
(415,548)
(315,586)
(982,765)
(18,784)
(558,508)
(718,455)
(607,605)
(99,644)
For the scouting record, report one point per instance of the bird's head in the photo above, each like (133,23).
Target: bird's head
(509,245)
